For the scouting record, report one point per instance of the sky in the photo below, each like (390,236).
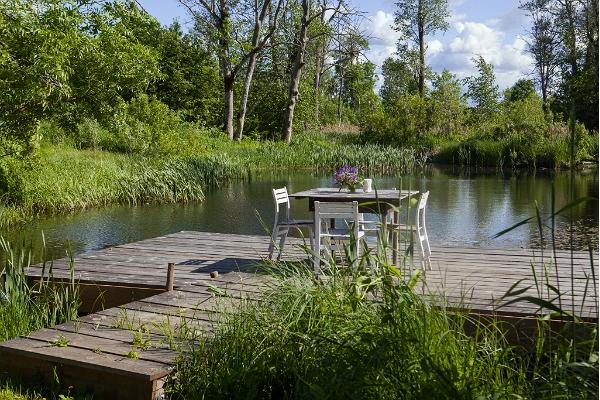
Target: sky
(494,29)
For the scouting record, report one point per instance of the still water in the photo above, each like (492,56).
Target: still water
(465,209)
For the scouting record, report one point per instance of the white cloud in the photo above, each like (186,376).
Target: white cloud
(495,40)
(379,29)
(514,20)
(434,47)
(470,39)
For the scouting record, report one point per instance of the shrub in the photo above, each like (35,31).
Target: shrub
(145,125)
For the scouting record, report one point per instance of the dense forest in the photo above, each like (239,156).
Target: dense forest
(272,83)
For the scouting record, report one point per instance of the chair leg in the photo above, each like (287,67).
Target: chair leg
(421,250)
(282,241)
(317,256)
(427,248)
(357,256)
(274,234)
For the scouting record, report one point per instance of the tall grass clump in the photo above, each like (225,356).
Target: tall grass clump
(356,336)
(67,179)
(26,307)
(370,332)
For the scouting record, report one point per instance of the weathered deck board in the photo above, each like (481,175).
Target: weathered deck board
(468,278)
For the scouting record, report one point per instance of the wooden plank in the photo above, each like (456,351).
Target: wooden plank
(101,385)
(103,345)
(141,370)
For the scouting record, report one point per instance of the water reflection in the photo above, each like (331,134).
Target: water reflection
(465,209)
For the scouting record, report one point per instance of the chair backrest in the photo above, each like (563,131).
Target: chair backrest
(347,211)
(420,220)
(280,196)
(337,210)
(423,200)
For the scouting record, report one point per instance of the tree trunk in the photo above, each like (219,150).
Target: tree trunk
(321,48)
(571,37)
(228,83)
(421,28)
(296,72)
(339,99)
(317,84)
(226,70)
(244,99)
(544,87)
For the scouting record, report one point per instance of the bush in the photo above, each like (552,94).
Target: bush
(145,125)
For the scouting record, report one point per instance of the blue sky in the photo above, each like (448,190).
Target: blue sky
(494,29)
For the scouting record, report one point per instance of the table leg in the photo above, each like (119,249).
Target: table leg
(395,222)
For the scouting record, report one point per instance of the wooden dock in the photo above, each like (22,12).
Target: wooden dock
(125,348)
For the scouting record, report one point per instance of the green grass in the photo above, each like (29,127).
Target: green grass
(62,179)
(370,333)
(367,336)
(11,392)
(510,152)
(25,308)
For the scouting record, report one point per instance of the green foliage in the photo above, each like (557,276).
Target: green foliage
(447,106)
(483,90)
(65,179)
(24,307)
(377,338)
(36,41)
(411,121)
(521,90)
(280,347)
(66,62)
(145,125)
(398,80)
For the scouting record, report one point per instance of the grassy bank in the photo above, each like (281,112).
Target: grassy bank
(62,178)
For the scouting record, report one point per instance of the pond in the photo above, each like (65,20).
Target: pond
(465,209)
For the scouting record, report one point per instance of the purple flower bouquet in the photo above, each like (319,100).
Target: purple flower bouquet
(347,177)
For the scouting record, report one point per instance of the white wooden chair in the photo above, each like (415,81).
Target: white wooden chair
(282,225)
(417,228)
(327,211)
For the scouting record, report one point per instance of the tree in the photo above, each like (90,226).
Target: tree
(415,19)
(308,16)
(225,24)
(543,44)
(190,81)
(447,104)
(482,89)
(521,90)
(67,63)
(257,43)
(36,39)
(398,80)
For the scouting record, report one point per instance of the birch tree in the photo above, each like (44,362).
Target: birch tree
(309,14)
(543,44)
(415,19)
(225,23)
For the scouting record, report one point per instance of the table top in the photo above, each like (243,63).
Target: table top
(358,195)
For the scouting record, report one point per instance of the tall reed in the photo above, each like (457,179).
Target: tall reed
(25,307)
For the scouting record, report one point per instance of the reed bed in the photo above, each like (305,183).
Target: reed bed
(65,179)
(25,308)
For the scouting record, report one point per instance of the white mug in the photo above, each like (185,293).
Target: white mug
(367,183)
